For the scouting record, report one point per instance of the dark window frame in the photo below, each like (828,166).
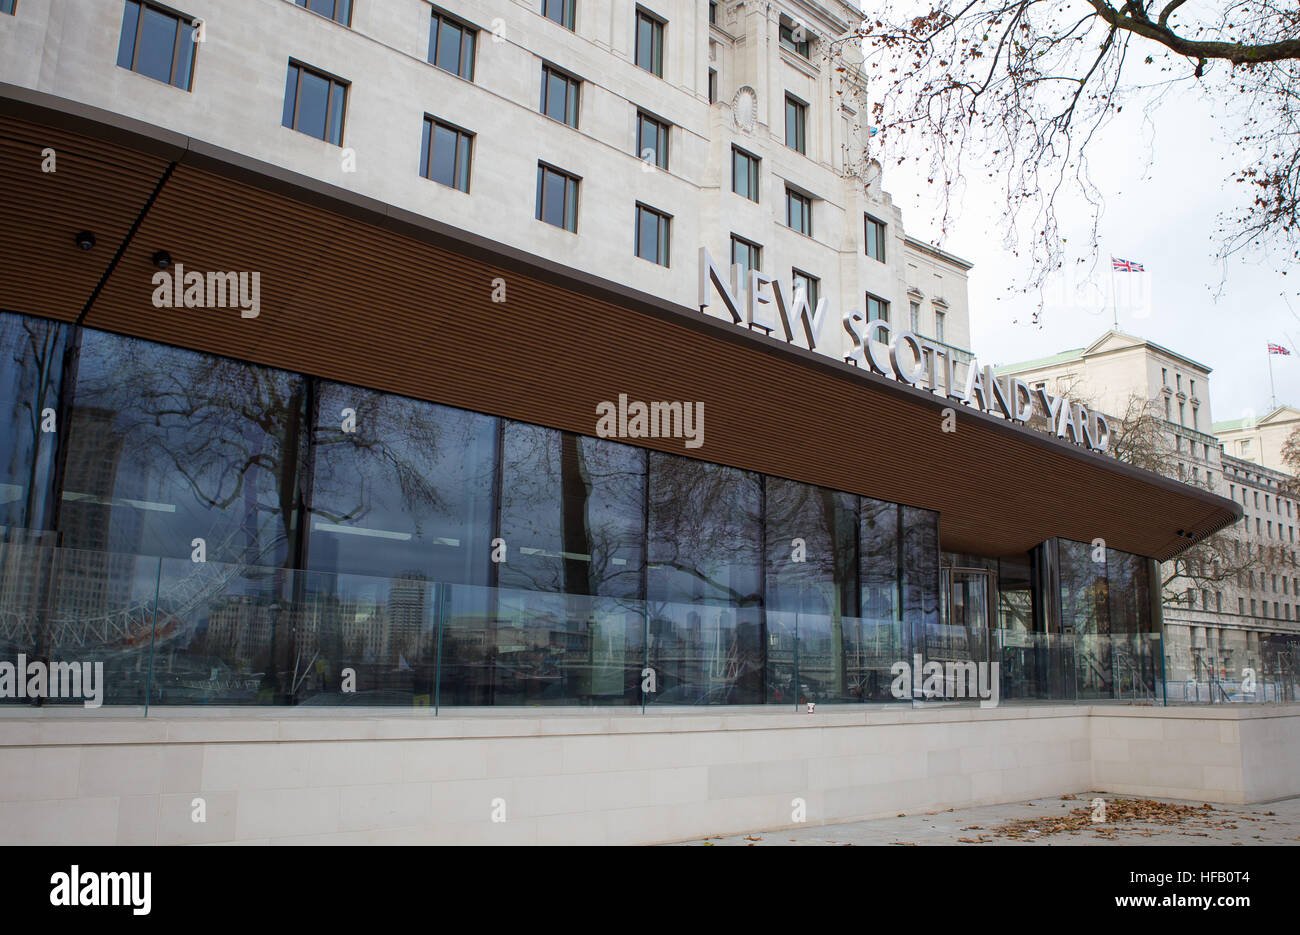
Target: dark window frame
(756,250)
(463,136)
(754,163)
(663,243)
(882,304)
(787,41)
(179,38)
(793,197)
(572,94)
(658,32)
(870,224)
(663,129)
(814,285)
(336,84)
(332,17)
(800,110)
(469,34)
(572,184)
(568,10)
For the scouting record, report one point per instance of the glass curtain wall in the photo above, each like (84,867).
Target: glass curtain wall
(231,533)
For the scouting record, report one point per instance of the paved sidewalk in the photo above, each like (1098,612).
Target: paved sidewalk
(1059,820)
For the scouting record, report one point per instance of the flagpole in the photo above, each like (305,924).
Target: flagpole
(1114,303)
(1271,392)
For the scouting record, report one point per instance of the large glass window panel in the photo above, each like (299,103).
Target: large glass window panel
(704,583)
(404,490)
(1085,611)
(572,513)
(157,45)
(811,586)
(883,637)
(31,369)
(919,574)
(166,446)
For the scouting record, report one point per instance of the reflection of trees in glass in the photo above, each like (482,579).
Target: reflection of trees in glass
(208,439)
(705,529)
(30,373)
(572,512)
(412,480)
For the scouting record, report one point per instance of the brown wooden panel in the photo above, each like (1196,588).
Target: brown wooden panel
(96,186)
(353,294)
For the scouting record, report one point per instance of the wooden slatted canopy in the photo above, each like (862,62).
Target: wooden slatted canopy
(362,292)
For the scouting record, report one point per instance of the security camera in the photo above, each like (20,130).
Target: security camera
(85,240)
(162,259)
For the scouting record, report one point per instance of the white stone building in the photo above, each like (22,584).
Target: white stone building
(747,136)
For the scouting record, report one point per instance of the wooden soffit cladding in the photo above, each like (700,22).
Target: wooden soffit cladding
(357,291)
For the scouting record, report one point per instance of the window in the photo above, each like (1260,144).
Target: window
(1218,601)
(1168,417)
(559,10)
(338,10)
(938,326)
(652,235)
(877,308)
(557,197)
(713,86)
(650,43)
(1192,387)
(794,37)
(747,255)
(796,119)
(875,238)
(314,103)
(1196,417)
(1178,380)
(445,154)
(809,285)
(1164,376)
(559,96)
(915,309)
(744,174)
(7,6)
(798,212)
(451,45)
(1241,605)
(155,43)
(652,140)
(713,12)
(1182,417)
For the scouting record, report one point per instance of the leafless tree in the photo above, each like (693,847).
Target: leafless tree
(1020,88)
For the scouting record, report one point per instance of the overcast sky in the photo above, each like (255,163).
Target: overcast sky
(1164,186)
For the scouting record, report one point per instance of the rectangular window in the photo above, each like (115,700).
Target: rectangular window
(809,285)
(445,154)
(713,86)
(652,235)
(1167,415)
(748,256)
(875,238)
(877,308)
(1164,376)
(744,174)
(652,140)
(557,197)
(451,45)
(559,10)
(794,37)
(938,326)
(314,103)
(559,96)
(915,309)
(650,43)
(1241,605)
(338,10)
(1182,416)
(798,212)
(796,119)
(7,6)
(713,12)
(156,43)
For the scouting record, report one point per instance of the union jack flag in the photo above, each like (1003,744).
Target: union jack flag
(1126,266)
(1278,349)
